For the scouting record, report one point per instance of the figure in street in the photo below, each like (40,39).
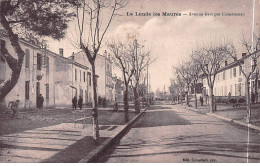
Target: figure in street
(41,100)
(14,105)
(201,101)
(80,102)
(74,103)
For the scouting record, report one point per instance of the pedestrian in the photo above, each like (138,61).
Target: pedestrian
(14,105)
(115,105)
(201,101)
(74,103)
(41,100)
(252,97)
(229,97)
(80,102)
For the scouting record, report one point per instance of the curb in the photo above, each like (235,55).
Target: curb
(93,155)
(226,119)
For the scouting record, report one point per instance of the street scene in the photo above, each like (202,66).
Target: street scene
(128,81)
(185,136)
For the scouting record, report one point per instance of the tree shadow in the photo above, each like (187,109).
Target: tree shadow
(160,118)
(203,145)
(75,152)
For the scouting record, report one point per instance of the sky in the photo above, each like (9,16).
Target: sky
(172,38)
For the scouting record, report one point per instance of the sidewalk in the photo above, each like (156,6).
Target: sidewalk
(229,113)
(61,143)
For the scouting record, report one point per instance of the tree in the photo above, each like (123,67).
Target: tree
(185,71)
(122,59)
(210,59)
(195,74)
(91,24)
(140,60)
(179,83)
(26,17)
(253,53)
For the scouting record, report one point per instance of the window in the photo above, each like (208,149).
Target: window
(234,72)
(230,73)
(80,75)
(75,74)
(226,63)
(240,70)
(47,64)
(235,89)
(47,91)
(27,89)
(39,61)
(27,58)
(89,78)
(224,75)
(84,76)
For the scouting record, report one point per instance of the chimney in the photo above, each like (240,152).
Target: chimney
(105,53)
(61,52)
(72,56)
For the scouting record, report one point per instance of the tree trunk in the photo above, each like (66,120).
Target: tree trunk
(211,99)
(195,95)
(126,106)
(248,102)
(95,104)
(256,89)
(14,64)
(187,96)
(137,103)
(181,99)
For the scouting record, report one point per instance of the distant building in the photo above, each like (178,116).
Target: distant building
(103,64)
(118,88)
(72,79)
(230,79)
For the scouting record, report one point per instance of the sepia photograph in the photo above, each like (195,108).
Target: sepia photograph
(130,81)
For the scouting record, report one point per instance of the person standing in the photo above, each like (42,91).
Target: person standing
(74,103)
(41,100)
(201,101)
(14,105)
(80,102)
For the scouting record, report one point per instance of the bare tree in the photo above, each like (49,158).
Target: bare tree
(122,59)
(185,71)
(195,74)
(210,59)
(179,83)
(141,59)
(253,53)
(90,16)
(21,19)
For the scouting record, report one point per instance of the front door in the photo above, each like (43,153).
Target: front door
(37,93)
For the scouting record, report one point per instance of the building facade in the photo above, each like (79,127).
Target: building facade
(72,79)
(103,64)
(36,75)
(230,79)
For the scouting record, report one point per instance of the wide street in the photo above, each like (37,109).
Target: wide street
(174,134)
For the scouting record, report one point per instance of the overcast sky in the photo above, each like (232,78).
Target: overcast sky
(171,38)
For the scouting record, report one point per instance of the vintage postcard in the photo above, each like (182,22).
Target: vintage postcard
(130,81)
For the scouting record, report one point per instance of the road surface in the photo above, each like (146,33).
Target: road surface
(174,134)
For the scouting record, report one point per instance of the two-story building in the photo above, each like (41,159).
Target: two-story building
(230,79)
(103,64)
(36,77)
(72,79)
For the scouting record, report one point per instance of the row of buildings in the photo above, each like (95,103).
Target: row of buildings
(230,80)
(58,78)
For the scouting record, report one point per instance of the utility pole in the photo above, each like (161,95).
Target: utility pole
(147,93)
